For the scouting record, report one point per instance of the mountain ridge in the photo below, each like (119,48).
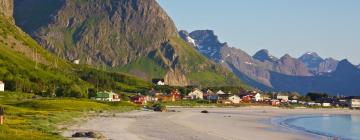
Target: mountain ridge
(285,73)
(135,37)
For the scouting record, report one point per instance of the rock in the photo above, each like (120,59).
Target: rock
(89,134)
(79,135)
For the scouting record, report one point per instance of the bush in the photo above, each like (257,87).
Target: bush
(159,107)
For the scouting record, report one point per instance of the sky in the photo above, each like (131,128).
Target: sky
(329,27)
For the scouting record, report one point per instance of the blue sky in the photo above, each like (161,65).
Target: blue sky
(328,27)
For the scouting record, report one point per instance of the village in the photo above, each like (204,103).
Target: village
(220,97)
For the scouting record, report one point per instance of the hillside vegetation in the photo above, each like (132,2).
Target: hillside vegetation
(27,67)
(131,36)
(38,119)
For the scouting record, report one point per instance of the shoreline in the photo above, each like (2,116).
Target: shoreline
(286,122)
(189,123)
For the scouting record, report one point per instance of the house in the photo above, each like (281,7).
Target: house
(313,104)
(235,99)
(282,98)
(265,97)
(150,99)
(326,104)
(175,95)
(107,96)
(354,102)
(2,86)
(138,99)
(207,93)
(159,82)
(246,97)
(257,97)
(222,95)
(275,102)
(196,94)
(220,92)
(76,61)
(213,97)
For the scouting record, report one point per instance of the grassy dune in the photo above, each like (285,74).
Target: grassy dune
(27,118)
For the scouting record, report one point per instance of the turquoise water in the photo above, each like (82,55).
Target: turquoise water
(336,126)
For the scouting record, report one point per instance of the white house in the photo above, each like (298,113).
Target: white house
(196,94)
(235,99)
(76,61)
(159,82)
(220,92)
(283,98)
(2,86)
(326,104)
(258,97)
(107,96)
(355,103)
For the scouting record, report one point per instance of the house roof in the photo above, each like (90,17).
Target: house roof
(220,92)
(209,91)
(155,81)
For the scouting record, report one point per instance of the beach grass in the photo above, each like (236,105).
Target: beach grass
(38,119)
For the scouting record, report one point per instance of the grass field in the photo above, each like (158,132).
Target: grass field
(38,119)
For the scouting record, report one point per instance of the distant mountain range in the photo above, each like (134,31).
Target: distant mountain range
(309,73)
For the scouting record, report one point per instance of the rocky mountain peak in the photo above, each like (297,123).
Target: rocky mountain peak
(345,64)
(186,37)
(311,60)
(6,7)
(264,55)
(286,56)
(207,43)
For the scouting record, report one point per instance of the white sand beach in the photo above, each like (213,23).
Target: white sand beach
(245,123)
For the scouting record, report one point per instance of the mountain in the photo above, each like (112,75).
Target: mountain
(6,7)
(318,65)
(264,55)
(269,73)
(343,81)
(328,65)
(291,66)
(132,36)
(207,43)
(27,67)
(311,60)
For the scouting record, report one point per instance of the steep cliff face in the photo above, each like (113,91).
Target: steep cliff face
(133,36)
(6,7)
(97,32)
(291,66)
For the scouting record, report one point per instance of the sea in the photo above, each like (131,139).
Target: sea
(340,127)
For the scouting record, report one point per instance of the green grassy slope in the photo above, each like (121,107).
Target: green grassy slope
(27,67)
(202,71)
(38,119)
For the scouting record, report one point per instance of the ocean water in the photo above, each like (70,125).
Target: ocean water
(335,126)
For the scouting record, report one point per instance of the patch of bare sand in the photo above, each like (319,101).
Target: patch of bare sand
(246,123)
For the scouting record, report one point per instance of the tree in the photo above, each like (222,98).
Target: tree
(317,96)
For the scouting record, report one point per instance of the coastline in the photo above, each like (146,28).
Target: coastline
(188,123)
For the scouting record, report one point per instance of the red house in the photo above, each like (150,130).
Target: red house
(138,99)
(176,95)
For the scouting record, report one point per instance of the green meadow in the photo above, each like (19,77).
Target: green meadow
(39,119)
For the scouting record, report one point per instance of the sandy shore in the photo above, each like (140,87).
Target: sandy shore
(255,123)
